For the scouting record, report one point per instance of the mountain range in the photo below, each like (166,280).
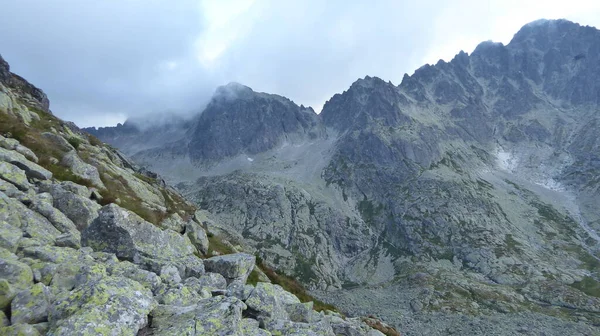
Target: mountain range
(463,200)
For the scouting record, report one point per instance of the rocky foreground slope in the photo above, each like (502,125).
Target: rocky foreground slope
(463,200)
(90,244)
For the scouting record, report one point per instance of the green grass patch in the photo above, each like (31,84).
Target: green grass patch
(589,286)
(75,142)
(294,287)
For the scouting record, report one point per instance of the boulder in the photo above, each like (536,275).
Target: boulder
(352,327)
(268,302)
(129,237)
(250,327)
(111,306)
(82,169)
(7,293)
(286,327)
(301,312)
(240,290)
(58,141)
(173,222)
(14,272)
(129,270)
(32,170)
(19,330)
(71,239)
(80,210)
(9,236)
(212,281)
(182,294)
(14,175)
(218,315)
(234,267)
(30,222)
(197,236)
(61,222)
(30,306)
(13,144)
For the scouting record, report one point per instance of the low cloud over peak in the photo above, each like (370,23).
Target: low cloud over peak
(103,61)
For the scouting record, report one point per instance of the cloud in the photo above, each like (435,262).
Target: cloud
(103,61)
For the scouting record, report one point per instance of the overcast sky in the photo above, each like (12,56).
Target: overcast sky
(103,61)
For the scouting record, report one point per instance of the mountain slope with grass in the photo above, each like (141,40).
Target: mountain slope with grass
(92,244)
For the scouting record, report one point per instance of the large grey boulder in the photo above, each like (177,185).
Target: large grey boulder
(80,210)
(197,236)
(13,144)
(82,169)
(129,237)
(268,302)
(109,306)
(218,315)
(33,170)
(14,175)
(31,223)
(59,220)
(234,267)
(129,270)
(14,276)
(31,305)
(9,236)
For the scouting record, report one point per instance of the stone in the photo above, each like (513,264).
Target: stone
(71,239)
(182,295)
(13,144)
(129,270)
(218,315)
(212,281)
(9,236)
(197,236)
(240,290)
(58,141)
(30,306)
(129,237)
(82,169)
(250,327)
(19,330)
(14,175)
(301,312)
(80,210)
(268,302)
(30,222)
(32,170)
(170,274)
(7,293)
(173,222)
(232,266)
(47,253)
(352,327)
(14,272)
(61,222)
(111,305)
(285,327)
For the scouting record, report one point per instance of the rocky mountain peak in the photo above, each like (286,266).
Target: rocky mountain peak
(366,100)
(239,120)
